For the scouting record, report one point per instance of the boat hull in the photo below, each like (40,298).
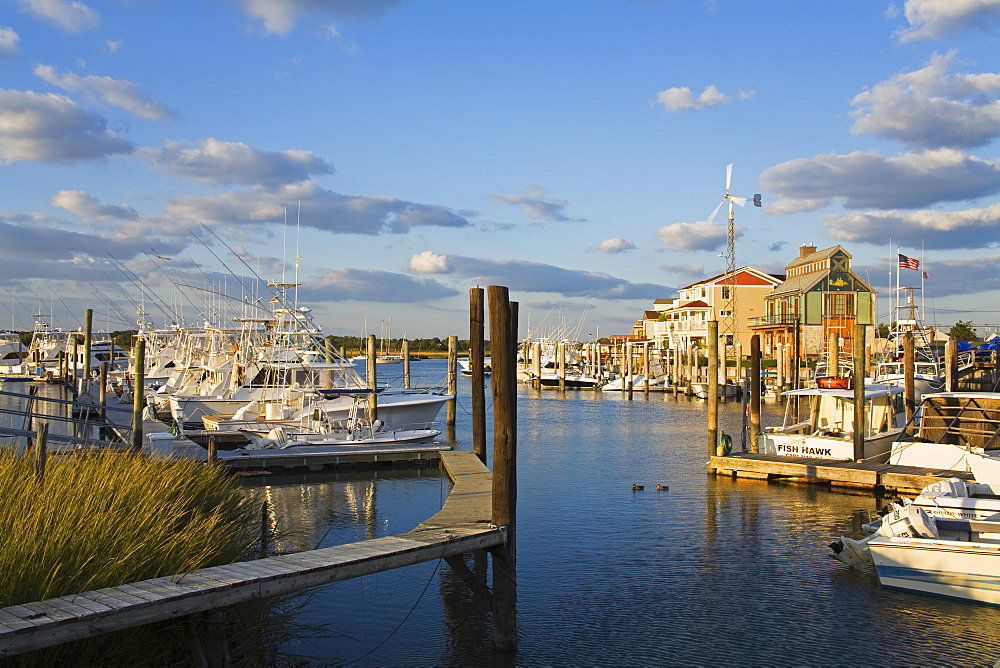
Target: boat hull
(956,569)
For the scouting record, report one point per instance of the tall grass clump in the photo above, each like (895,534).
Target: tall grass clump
(104,520)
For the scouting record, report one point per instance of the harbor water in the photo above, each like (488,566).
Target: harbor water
(712,570)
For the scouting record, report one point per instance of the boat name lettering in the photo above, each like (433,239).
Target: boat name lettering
(790,449)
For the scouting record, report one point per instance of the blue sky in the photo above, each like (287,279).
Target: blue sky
(390,155)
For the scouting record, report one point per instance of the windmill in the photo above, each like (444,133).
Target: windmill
(729,284)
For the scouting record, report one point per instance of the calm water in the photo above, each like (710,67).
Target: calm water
(713,570)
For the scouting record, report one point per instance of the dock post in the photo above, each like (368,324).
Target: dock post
(797,360)
(627,378)
(74,353)
(452,373)
(138,395)
(477,366)
(102,392)
(951,364)
(859,393)
(755,393)
(88,326)
(372,378)
(536,363)
(713,390)
(646,367)
(213,451)
(504,467)
(406,363)
(833,354)
(909,367)
(561,364)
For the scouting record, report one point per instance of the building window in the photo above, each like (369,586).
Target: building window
(840,304)
(725,292)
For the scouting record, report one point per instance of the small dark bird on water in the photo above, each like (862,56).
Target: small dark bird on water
(662,487)
(636,488)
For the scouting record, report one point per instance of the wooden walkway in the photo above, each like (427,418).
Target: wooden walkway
(462,525)
(834,472)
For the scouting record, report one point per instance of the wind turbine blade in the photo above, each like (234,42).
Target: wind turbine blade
(729,176)
(738,200)
(712,217)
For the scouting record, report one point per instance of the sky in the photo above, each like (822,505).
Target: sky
(390,155)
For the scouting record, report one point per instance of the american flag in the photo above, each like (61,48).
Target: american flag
(926,275)
(908,262)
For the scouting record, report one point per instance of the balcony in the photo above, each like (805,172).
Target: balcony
(773,320)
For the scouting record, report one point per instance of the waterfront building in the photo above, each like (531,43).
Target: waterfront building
(730,298)
(820,295)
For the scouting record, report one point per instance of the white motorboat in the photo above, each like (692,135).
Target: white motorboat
(700,390)
(828,432)
(639,384)
(954,430)
(946,542)
(928,374)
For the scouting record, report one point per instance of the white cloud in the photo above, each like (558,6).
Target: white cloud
(279,16)
(217,162)
(701,235)
(947,277)
(682,99)
(862,180)
(937,19)
(8,43)
(971,228)
(82,204)
(537,203)
(428,262)
(110,91)
(70,16)
(53,128)
(615,245)
(930,108)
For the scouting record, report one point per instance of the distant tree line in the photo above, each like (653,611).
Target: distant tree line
(358,345)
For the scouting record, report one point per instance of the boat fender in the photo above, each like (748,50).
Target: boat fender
(725,445)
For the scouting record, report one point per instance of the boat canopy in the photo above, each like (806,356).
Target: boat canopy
(871,391)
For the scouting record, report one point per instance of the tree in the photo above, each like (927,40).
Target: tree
(964,330)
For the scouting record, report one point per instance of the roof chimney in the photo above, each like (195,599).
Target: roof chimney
(806,250)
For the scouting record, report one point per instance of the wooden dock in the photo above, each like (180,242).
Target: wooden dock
(833,472)
(463,525)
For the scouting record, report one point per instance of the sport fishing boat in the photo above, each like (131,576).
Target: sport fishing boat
(828,432)
(928,374)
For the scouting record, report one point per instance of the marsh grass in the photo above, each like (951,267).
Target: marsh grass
(108,519)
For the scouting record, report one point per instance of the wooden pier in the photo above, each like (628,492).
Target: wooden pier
(833,472)
(463,525)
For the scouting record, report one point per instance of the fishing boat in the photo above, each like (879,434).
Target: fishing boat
(828,432)
(954,430)
(946,542)
(928,374)
(465,366)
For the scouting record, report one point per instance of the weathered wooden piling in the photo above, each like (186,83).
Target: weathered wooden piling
(41,453)
(372,374)
(138,393)
(754,392)
(859,393)
(909,367)
(452,379)
(713,389)
(406,363)
(502,352)
(477,367)
(102,392)
(88,325)
(951,364)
